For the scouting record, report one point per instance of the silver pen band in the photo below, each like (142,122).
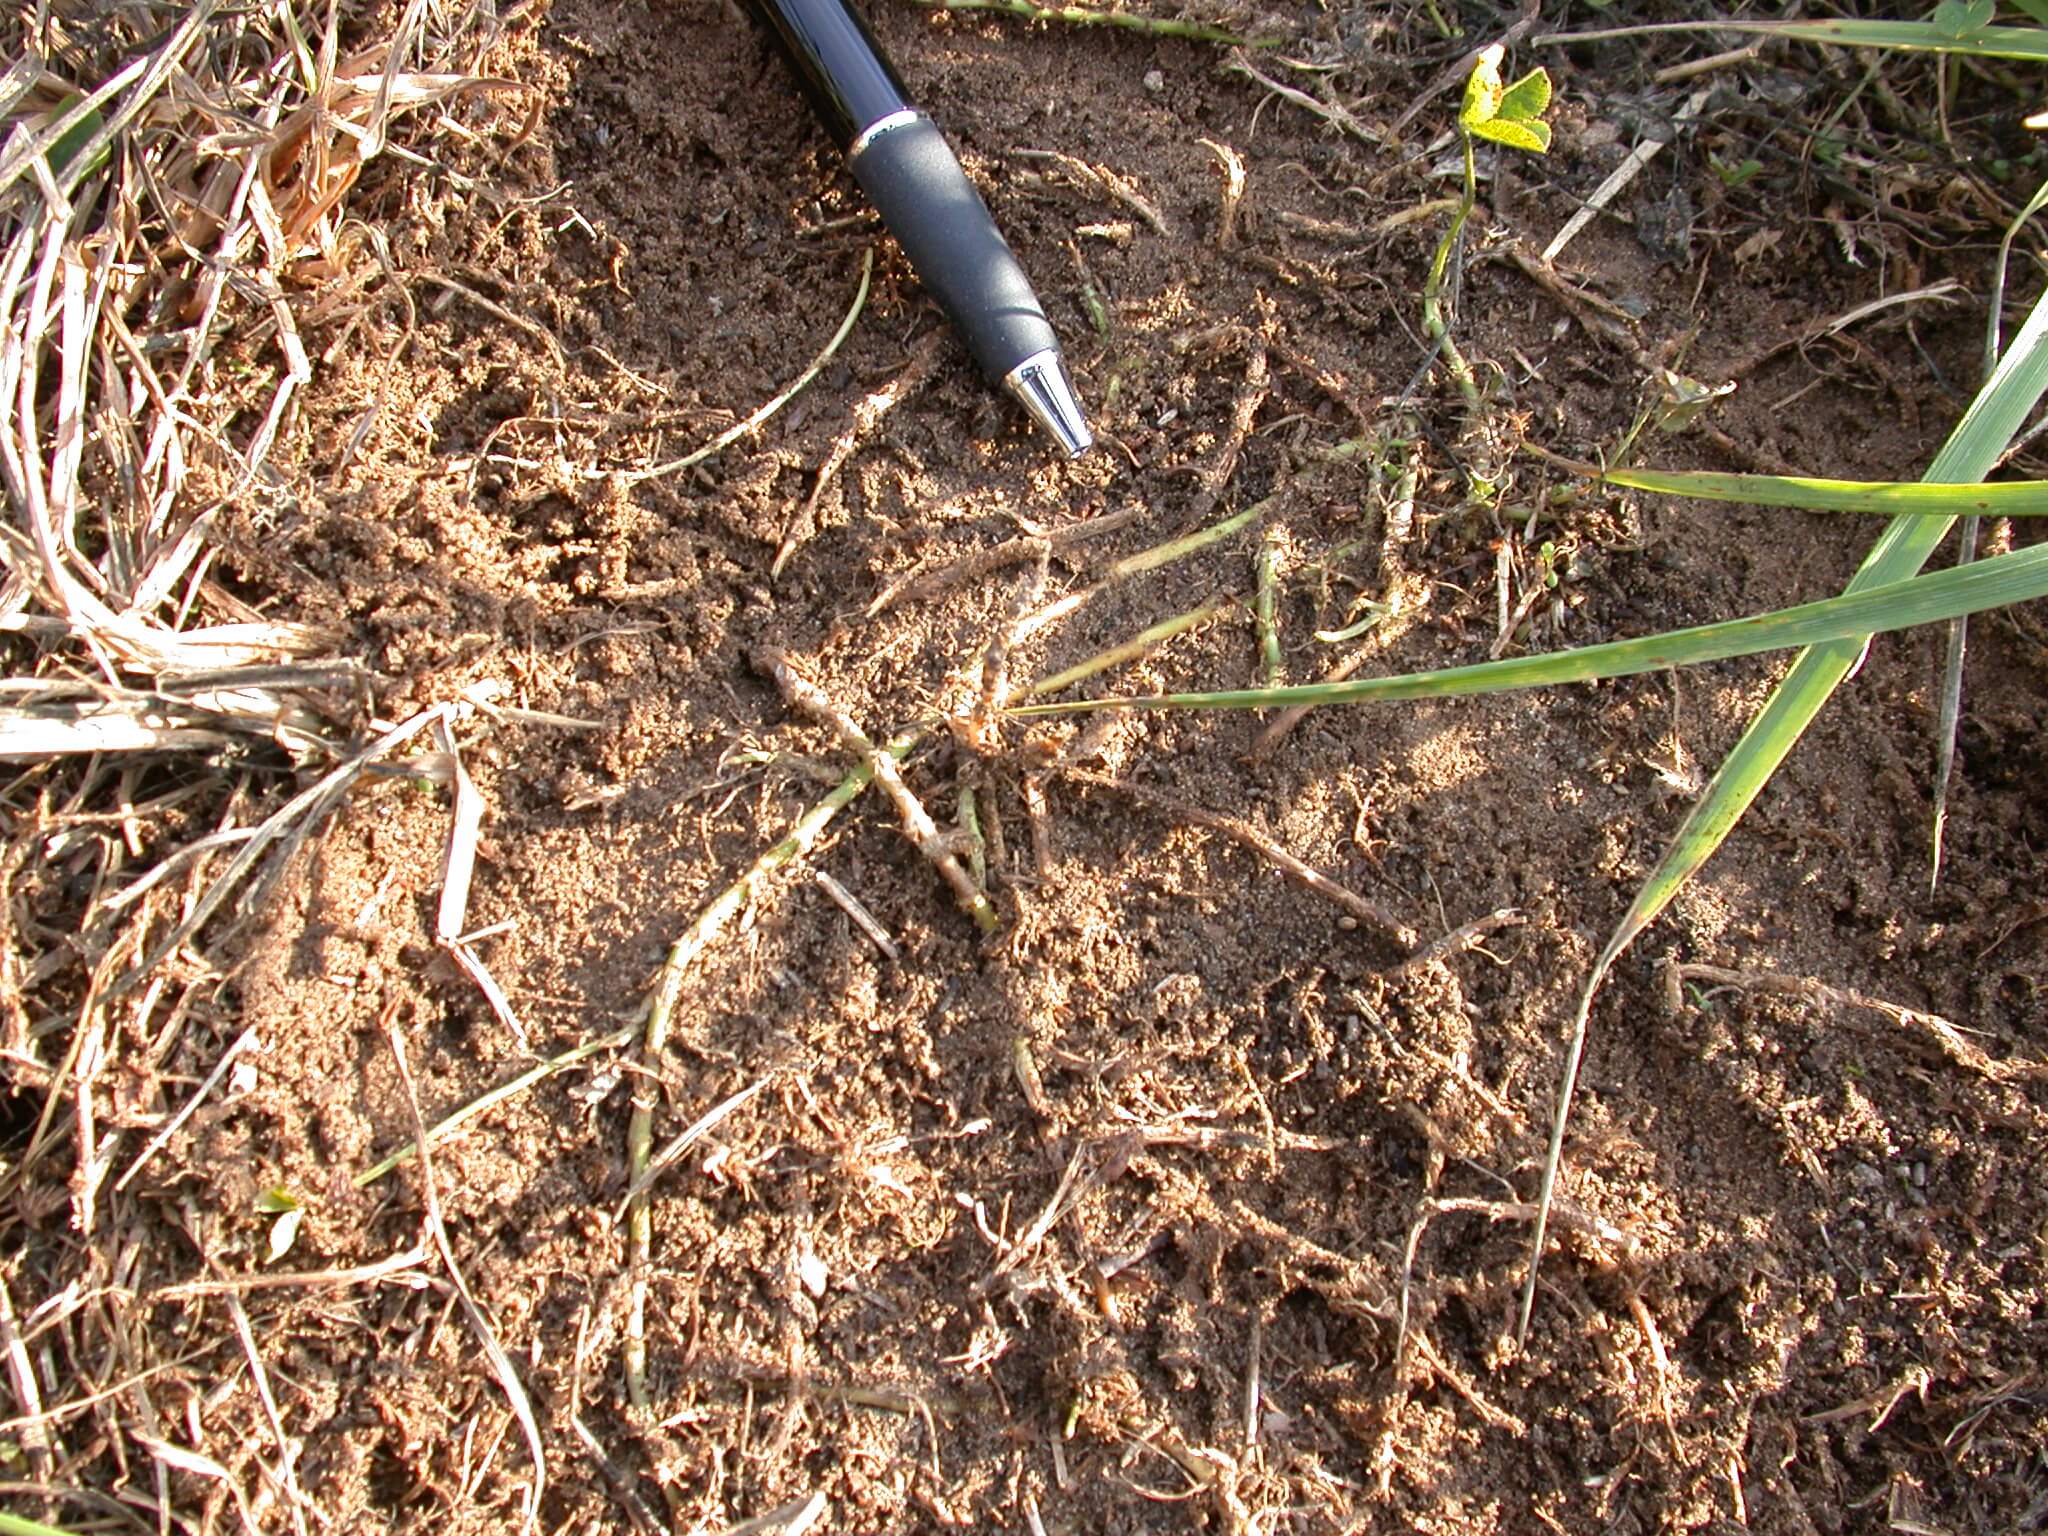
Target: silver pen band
(1041,386)
(880,126)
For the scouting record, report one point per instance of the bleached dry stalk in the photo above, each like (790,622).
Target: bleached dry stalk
(918,826)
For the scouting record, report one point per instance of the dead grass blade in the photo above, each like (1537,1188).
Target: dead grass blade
(486,1337)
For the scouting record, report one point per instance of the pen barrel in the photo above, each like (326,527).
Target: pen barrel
(916,184)
(841,67)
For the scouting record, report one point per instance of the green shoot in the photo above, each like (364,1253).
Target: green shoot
(21,1525)
(288,1212)
(1511,115)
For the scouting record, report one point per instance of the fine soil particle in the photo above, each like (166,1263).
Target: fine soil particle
(1177,1203)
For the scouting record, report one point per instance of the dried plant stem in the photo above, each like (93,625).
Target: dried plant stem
(639,1219)
(1265,568)
(511,1088)
(437,1232)
(1139,645)
(740,429)
(1951,710)
(986,562)
(1081,16)
(1252,390)
(867,415)
(703,931)
(35,1434)
(804,695)
(729,903)
(1950,1040)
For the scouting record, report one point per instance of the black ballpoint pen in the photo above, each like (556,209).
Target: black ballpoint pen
(904,165)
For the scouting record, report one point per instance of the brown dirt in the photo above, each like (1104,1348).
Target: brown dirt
(1797,1284)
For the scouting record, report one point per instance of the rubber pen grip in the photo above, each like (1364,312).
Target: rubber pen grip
(917,185)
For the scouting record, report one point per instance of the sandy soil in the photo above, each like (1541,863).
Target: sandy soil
(1180,1202)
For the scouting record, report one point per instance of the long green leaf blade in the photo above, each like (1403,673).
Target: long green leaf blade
(1905,36)
(1995,416)
(1991,422)
(1853,616)
(1914,498)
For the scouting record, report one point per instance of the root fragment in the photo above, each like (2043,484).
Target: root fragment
(806,696)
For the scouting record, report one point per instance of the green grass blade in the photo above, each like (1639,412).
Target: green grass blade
(21,1525)
(1900,498)
(1851,617)
(1904,36)
(1995,416)
(1992,420)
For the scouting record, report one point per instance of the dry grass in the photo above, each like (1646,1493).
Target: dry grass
(175,185)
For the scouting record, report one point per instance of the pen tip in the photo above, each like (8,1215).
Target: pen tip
(1041,385)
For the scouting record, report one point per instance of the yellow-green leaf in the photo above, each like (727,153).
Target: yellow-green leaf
(1483,90)
(1516,134)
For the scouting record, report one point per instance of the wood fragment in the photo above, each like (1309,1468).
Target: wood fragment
(863,919)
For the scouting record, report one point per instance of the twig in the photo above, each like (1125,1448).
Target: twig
(804,695)
(863,919)
(1251,837)
(1620,177)
(487,1339)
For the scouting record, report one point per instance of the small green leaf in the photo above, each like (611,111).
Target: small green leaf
(1528,98)
(1959,18)
(1506,114)
(80,134)
(1532,136)
(276,1200)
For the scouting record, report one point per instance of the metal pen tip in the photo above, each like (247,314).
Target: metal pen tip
(1041,385)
